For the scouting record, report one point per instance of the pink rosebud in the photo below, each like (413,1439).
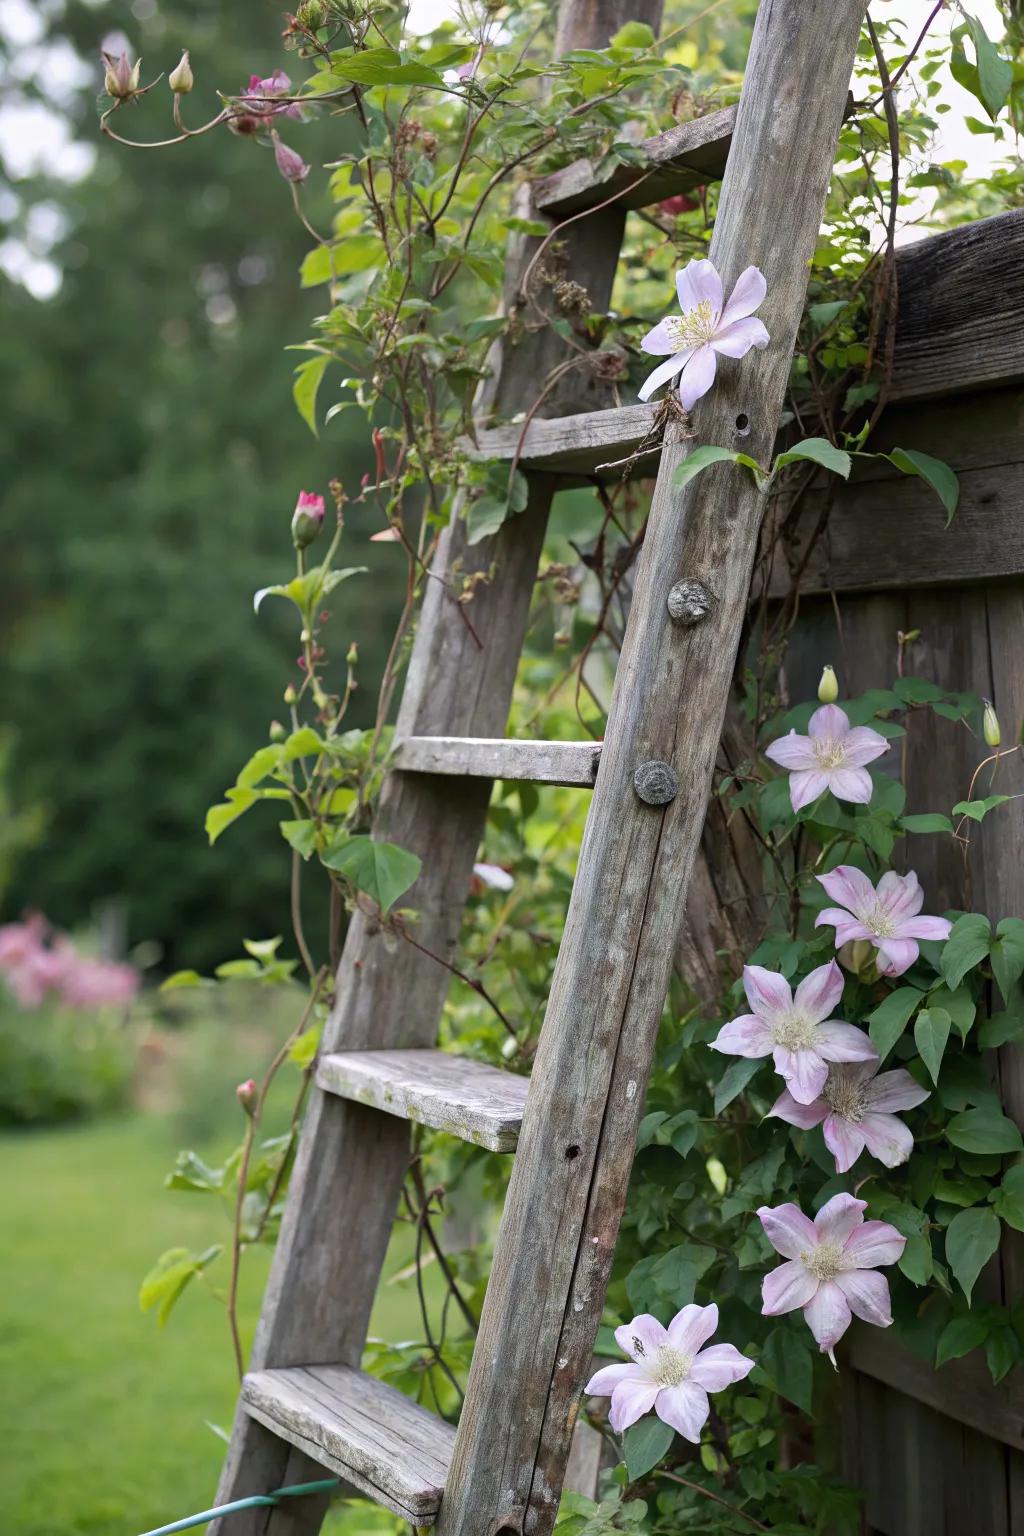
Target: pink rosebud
(680,203)
(248,1096)
(307,519)
(289,162)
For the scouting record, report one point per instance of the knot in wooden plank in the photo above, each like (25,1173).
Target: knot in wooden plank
(656,783)
(690,601)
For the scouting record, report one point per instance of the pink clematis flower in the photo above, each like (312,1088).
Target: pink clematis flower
(831,756)
(706,328)
(856,1110)
(887,916)
(831,1269)
(671,1372)
(795,1030)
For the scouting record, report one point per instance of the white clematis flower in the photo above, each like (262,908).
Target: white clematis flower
(706,328)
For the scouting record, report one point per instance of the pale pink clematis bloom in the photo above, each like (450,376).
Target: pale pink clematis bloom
(831,1269)
(706,328)
(671,1372)
(795,1030)
(832,756)
(888,917)
(856,1110)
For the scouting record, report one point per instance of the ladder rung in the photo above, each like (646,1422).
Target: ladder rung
(372,1436)
(684,157)
(452,1093)
(479,757)
(591,444)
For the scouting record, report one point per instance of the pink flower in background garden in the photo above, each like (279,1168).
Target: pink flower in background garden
(261,96)
(831,756)
(856,1110)
(887,916)
(289,162)
(795,1030)
(705,328)
(35,970)
(831,1269)
(671,1372)
(307,519)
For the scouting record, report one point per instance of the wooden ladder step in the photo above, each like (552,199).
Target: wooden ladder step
(678,160)
(590,446)
(572,763)
(372,1436)
(452,1093)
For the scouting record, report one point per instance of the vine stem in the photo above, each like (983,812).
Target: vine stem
(698,1488)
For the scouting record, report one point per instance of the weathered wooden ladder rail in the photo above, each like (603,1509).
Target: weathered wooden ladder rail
(500,1472)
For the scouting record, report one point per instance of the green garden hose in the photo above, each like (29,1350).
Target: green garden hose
(252,1502)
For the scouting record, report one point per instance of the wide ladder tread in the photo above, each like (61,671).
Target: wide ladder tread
(591,445)
(571,763)
(373,1437)
(451,1093)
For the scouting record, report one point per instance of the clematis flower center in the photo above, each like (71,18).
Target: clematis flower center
(879,921)
(824,1262)
(670,1366)
(794,1032)
(830,753)
(845,1096)
(694,327)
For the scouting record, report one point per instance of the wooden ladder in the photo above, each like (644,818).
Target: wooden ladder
(305,1403)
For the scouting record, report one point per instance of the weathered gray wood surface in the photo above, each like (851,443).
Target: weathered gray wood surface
(464,1098)
(352,1159)
(586,1096)
(374,1437)
(578,445)
(533,762)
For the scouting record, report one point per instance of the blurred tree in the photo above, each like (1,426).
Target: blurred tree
(153,457)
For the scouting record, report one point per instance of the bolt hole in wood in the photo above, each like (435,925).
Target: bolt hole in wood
(570,1153)
(742,425)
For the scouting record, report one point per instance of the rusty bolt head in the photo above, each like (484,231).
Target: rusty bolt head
(656,783)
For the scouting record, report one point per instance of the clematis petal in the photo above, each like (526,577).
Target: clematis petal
(868,1295)
(747,295)
(769,994)
(804,788)
(895,955)
(604,1381)
(887,1138)
(804,1071)
(846,925)
(630,1401)
(788,1230)
(746,1036)
(786,1288)
(660,341)
(642,1338)
(718,1366)
(828,723)
(844,1140)
(685,1408)
(662,374)
(692,1327)
(839,1217)
(862,745)
(894,1090)
(900,895)
(828,1315)
(850,887)
(698,283)
(792,751)
(737,338)
(872,1243)
(851,784)
(806,1116)
(924,927)
(697,377)
(836,1041)
(818,993)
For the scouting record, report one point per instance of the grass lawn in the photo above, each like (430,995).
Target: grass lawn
(102,1416)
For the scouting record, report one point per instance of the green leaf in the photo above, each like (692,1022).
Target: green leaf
(933,472)
(645,1444)
(733,1081)
(169,1276)
(789,1366)
(635,34)
(185,979)
(959,1004)
(485,516)
(930,821)
(967,944)
(1002,1351)
(995,74)
(981,1130)
(301,835)
(302,743)
(817,450)
(931,1031)
(263,762)
(218,817)
(890,1018)
(381,66)
(1007,954)
(192,1174)
(383,870)
(960,1336)
(700,459)
(1008,1199)
(972,1237)
(308,377)
(977,810)
(1001,1029)
(302,1050)
(821,315)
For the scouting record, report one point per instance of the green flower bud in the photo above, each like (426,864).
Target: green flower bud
(990,726)
(277,731)
(181,80)
(312,15)
(828,688)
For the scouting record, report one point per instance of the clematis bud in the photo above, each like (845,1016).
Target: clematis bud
(277,731)
(352,655)
(307,519)
(181,80)
(990,726)
(828,688)
(248,1096)
(290,695)
(311,14)
(859,957)
(289,163)
(120,79)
